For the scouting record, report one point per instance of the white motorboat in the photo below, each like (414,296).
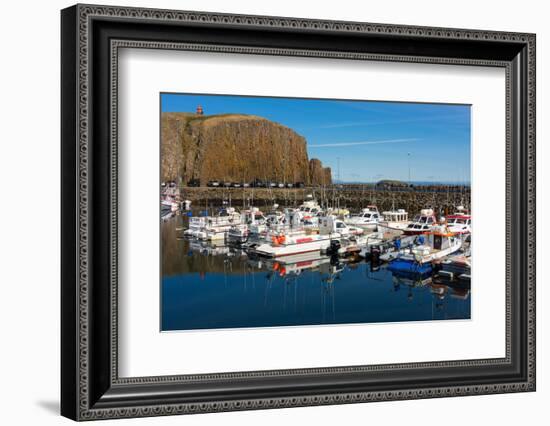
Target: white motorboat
(169,197)
(249,218)
(460,222)
(169,204)
(437,244)
(368,218)
(213,227)
(394,220)
(422,223)
(275,220)
(360,244)
(299,241)
(309,212)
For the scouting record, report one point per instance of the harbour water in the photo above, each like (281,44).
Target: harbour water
(206,286)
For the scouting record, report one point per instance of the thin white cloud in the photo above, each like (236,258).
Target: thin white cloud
(328,145)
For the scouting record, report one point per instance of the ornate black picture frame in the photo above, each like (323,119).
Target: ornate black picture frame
(91,37)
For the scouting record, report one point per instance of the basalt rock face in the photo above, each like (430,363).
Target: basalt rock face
(318,174)
(235,148)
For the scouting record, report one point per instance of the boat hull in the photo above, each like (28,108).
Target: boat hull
(409,267)
(269,250)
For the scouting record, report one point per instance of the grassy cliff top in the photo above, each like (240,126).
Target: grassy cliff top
(190,116)
(214,119)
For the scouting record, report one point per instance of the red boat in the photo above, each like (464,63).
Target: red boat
(460,222)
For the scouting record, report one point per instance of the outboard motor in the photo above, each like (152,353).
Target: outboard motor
(335,245)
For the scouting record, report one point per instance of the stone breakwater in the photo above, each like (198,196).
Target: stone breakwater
(352,198)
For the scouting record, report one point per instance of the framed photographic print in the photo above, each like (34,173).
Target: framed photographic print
(263,212)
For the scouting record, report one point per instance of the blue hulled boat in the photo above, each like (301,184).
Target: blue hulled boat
(409,267)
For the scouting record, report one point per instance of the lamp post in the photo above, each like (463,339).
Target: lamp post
(409,164)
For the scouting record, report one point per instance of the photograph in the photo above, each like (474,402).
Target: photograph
(266,208)
(304,212)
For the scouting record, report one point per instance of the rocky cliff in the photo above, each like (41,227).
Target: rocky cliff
(318,174)
(236,148)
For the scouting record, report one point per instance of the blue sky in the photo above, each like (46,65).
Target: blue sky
(369,140)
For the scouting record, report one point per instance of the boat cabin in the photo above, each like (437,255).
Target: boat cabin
(370,212)
(311,208)
(399,215)
(459,219)
(421,223)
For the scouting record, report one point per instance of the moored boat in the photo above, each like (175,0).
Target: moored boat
(250,218)
(169,204)
(350,245)
(309,212)
(432,247)
(298,241)
(460,222)
(367,218)
(394,220)
(213,227)
(422,223)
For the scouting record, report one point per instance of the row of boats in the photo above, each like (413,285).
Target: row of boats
(409,246)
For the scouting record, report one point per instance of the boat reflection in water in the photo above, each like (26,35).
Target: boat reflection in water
(212,286)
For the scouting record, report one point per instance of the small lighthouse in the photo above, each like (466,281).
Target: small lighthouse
(199,110)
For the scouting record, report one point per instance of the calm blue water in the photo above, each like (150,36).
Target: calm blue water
(205,287)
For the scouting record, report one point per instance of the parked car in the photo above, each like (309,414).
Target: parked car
(290,185)
(236,185)
(246,185)
(258,184)
(194,182)
(213,183)
(227,184)
(300,185)
(271,184)
(281,185)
